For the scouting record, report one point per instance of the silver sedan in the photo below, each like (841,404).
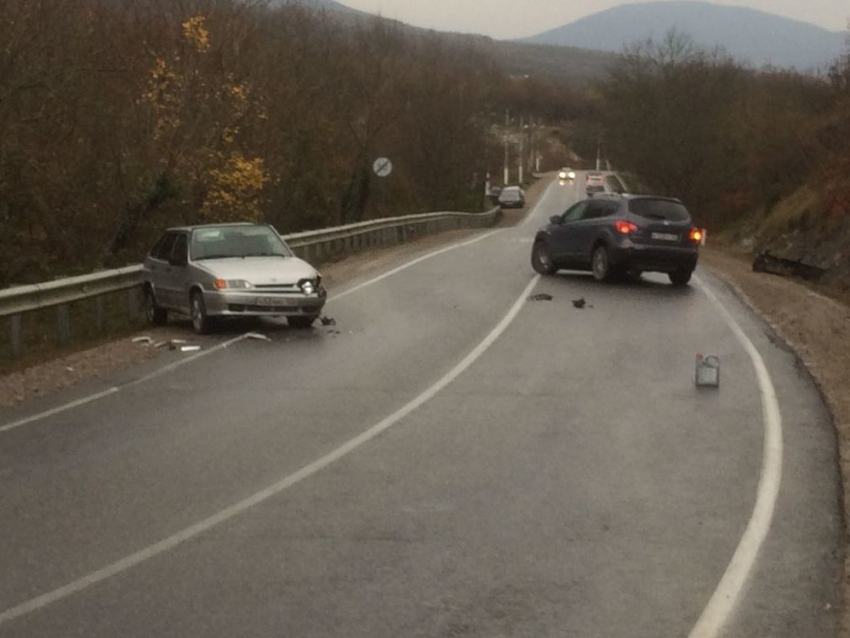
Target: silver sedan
(230,270)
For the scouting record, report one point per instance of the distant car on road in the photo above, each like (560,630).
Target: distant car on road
(566,173)
(594,183)
(512,197)
(626,235)
(600,183)
(493,194)
(229,270)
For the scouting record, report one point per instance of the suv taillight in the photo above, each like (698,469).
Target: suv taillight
(626,227)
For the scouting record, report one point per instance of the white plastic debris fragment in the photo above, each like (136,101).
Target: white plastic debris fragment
(257,336)
(190,348)
(707,372)
(161,344)
(178,342)
(145,340)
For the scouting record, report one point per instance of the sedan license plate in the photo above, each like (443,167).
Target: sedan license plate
(272,301)
(665,236)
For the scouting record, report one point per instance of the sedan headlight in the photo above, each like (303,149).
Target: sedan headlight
(232,284)
(308,286)
(562,175)
(571,175)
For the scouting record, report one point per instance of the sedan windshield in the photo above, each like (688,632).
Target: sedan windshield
(225,242)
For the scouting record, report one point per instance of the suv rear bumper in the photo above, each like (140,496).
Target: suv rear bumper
(655,258)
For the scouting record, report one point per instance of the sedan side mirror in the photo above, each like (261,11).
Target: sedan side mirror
(555,219)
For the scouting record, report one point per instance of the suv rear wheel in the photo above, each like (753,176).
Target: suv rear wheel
(680,277)
(600,264)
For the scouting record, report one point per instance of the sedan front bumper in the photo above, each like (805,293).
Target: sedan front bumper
(258,304)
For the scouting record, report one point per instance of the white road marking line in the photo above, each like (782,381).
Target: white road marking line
(128,562)
(412,263)
(100,395)
(532,214)
(57,410)
(177,364)
(723,602)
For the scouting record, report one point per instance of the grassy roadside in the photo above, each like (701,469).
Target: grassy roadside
(815,326)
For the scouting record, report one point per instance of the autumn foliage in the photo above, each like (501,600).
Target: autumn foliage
(727,139)
(121,117)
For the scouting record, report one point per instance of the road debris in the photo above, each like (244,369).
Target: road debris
(161,344)
(707,372)
(579,303)
(328,321)
(145,340)
(541,297)
(257,336)
(190,348)
(765,262)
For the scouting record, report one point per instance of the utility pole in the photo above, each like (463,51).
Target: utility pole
(521,158)
(507,154)
(598,154)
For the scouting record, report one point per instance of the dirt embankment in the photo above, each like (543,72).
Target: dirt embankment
(817,327)
(811,226)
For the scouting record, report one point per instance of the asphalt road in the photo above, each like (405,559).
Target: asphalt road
(450,460)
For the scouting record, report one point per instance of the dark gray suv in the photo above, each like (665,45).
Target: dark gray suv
(613,235)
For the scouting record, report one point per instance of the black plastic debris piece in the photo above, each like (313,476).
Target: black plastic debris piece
(328,321)
(541,297)
(765,262)
(579,303)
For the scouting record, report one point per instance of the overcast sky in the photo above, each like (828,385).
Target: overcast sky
(520,18)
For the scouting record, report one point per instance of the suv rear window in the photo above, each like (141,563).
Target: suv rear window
(659,209)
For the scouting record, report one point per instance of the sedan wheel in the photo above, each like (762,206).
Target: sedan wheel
(156,316)
(601,264)
(200,321)
(540,259)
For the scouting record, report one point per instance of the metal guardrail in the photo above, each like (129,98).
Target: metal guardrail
(311,245)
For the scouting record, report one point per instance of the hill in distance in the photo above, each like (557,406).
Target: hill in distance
(749,35)
(321,5)
(575,66)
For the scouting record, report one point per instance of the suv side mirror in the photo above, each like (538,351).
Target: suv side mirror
(555,219)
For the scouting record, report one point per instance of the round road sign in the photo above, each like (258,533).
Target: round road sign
(383,167)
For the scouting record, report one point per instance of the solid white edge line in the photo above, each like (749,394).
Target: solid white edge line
(58,410)
(177,364)
(189,533)
(100,395)
(531,216)
(721,606)
(412,263)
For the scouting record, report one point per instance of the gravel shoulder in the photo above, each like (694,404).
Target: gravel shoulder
(42,378)
(817,328)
